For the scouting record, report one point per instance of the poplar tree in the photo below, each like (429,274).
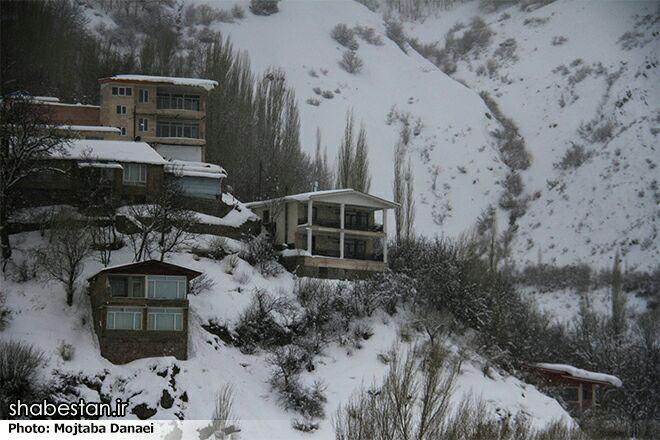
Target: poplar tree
(360,175)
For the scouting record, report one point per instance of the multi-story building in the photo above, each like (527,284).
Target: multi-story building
(328,234)
(168,113)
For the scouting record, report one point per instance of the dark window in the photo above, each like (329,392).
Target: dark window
(144,124)
(129,91)
(144,95)
(121,109)
(355,248)
(115,90)
(118,286)
(356,220)
(179,102)
(127,286)
(177,129)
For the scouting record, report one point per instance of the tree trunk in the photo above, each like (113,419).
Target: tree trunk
(69,292)
(4,231)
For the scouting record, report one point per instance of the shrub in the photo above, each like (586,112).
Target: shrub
(4,311)
(547,278)
(19,366)
(308,401)
(343,35)
(24,271)
(265,322)
(475,37)
(238,12)
(350,62)
(260,253)
(394,31)
(368,34)
(313,101)
(65,351)
(264,7)
(223,413)
(327,94)
(201,284)
(558,40)
(231,263)
(574,157)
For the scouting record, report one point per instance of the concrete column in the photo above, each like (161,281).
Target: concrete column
(310,213)
(385,237)
(342,210)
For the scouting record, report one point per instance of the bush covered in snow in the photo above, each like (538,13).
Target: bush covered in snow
(574,157)
(19,368)
(394,31)
(264,7)
(344,35)
(351,62)
(259,252)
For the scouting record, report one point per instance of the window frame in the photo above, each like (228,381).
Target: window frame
(143,95)
(128,177)
(121,109)
(153,313)
(143,125)
(111,313)
(152,286)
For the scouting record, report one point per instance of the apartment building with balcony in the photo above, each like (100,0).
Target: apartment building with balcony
(166,112)
(329,234)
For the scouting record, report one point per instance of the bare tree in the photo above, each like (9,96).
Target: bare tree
(399,194)
(618,300)
(62,259)
(27,137)
(360,175)
(346,154)
(409,202)
(161,227)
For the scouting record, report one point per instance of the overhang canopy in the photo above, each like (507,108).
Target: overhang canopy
(346,196)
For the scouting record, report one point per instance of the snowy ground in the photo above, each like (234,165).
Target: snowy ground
(40,316)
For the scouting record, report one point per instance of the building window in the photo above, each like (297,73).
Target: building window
(265,217)
(166,287)
(122,91)
(124,318)
(121,109)
(144,95)
(126,286)
(177,129)
(355,248)
(164,319)
(356,220)
(135,174)
(123,130)
(143,124)
(181,102)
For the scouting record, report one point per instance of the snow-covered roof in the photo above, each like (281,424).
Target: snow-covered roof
(347,195)
(89,128)
(109,165)
(207,84)
(146,267)
(581,374)
(195,169)
(116,151)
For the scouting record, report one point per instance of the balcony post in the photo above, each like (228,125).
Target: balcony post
(342,209)
(309,226)
(385,237)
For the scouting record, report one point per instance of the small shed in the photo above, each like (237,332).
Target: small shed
(579,388)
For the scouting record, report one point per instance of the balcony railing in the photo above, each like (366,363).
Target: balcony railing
(334,223)
(335,254)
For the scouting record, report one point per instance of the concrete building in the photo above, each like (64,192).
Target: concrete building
(328,234)
(168,113)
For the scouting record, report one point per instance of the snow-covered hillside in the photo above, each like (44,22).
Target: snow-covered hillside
(38,312)
(576,73)
(573,75)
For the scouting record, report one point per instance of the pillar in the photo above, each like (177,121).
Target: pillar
(310,213)
(385,237)
(342,209)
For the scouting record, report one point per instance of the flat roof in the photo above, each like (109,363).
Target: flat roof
(207,84)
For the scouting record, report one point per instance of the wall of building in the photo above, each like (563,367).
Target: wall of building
(72,114)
